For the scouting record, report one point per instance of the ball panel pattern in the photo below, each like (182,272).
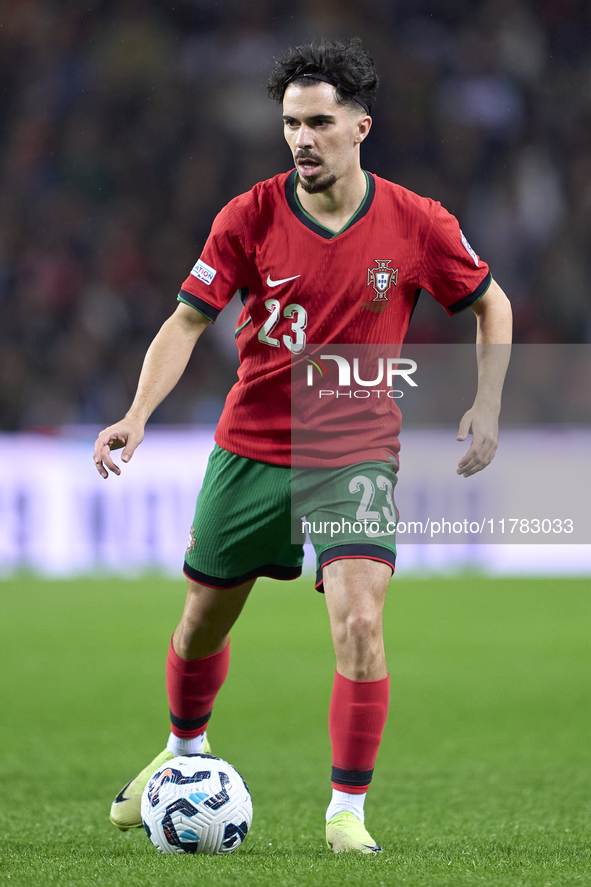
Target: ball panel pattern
(196,804)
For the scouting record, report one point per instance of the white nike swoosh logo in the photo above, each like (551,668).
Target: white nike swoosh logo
(279,282)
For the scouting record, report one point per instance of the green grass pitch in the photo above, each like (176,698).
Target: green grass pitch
(483,778)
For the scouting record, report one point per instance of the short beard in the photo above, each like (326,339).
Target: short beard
(316,187)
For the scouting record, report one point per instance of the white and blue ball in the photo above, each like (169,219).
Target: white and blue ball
(196,804)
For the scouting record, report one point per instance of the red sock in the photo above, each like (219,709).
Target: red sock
(192,686)
(358,711)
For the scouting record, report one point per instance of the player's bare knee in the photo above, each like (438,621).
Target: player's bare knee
(358,639)
(363,626)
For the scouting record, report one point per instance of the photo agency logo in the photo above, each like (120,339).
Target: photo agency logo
(346,378)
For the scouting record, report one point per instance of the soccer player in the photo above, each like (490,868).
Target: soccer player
(302,249)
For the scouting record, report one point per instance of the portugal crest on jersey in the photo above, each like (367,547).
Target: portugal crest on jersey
(382,277)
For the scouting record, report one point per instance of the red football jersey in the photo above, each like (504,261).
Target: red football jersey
(302,285)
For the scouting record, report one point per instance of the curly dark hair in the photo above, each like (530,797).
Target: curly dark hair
(346,65)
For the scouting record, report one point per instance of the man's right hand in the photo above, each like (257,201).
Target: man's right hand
(129,433)
(163,366)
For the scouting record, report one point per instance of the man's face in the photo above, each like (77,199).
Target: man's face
(323,135)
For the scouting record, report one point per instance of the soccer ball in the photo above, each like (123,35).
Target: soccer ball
(196,804)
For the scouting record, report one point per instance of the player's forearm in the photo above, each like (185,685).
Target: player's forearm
(492,366)
(166,360)
(493,345)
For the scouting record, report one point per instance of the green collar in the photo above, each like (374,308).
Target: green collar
(307,220)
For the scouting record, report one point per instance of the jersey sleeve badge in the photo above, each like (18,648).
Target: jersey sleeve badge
(204,272)
(469,250)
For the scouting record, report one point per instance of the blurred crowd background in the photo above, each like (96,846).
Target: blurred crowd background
(126,125)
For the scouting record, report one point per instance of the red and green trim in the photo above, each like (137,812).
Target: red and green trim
(306,219)
(473,297)
(239,329)
(351,552)
(209,312)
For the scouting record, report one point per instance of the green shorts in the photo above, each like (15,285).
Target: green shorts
(252,519)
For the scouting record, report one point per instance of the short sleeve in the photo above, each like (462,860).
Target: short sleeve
(451,271)
(222,268)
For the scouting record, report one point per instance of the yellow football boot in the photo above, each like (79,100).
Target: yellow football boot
(345,834)
(126,808)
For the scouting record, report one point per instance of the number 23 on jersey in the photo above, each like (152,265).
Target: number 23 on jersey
(295,342)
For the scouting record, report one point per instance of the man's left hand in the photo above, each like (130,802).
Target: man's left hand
(483,425)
